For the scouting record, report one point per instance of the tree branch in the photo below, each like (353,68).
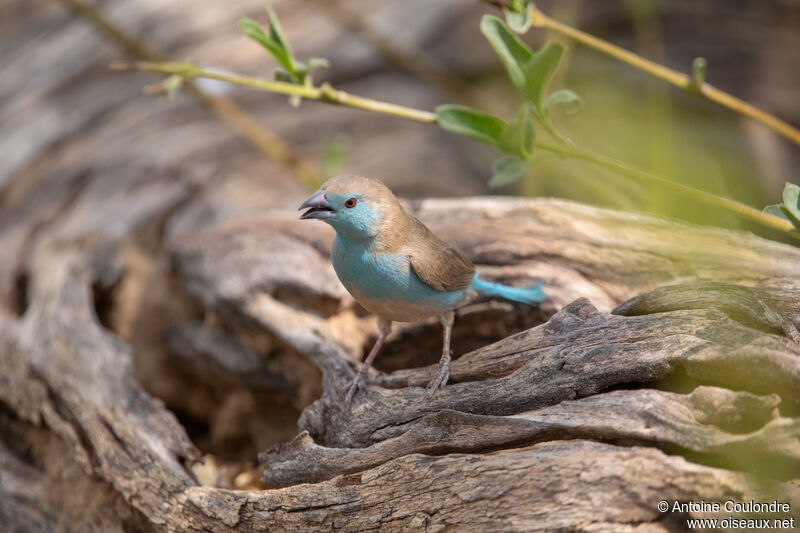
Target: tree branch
(324,93)
(678,79)
(327,94)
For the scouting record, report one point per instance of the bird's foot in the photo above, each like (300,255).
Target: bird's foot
(354,386)
(437,383)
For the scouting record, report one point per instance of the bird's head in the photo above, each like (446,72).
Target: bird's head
(355,206)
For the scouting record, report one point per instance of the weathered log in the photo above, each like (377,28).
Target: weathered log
(771,304)
(126,443)
(578,353)
(63,370)
(577,485)
(643,416)
(156,291)
(637,350)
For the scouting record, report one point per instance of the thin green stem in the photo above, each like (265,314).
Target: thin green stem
(673,77)
(324,93)
(560,146)
(678,79)
(743,210)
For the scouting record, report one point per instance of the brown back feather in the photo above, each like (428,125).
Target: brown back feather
(440,265)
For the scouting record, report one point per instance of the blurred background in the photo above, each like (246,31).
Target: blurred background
(75,135)
(62,109)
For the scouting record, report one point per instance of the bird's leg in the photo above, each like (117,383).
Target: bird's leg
(384,326)
(444,363)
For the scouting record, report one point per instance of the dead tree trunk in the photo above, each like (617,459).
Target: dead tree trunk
(160,303)
(686,392)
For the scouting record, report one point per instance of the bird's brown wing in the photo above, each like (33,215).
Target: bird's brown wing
(443,267)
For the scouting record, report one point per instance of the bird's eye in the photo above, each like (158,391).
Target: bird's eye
(350,203)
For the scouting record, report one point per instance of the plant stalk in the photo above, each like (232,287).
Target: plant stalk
(678,79)
(327,94)
(743,210)
(324,93)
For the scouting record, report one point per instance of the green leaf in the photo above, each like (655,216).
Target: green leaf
(276,44)
(791,200)
(777,210)
(512,51)
(790,217)
(470,123)
(538,73)
(531,73)
(276,34)
(563,97)
(517,137)
(252,29)
(507,170)
(518,16)
(519,22)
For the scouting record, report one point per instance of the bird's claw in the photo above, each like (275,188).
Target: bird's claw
(436,383)
(354,386)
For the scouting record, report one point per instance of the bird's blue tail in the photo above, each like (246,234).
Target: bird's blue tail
(531,295)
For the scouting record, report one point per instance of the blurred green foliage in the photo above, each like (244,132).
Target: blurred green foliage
(334,154)
(790,208)
(275,43)
(648,148)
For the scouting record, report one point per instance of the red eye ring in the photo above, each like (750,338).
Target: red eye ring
(350,203)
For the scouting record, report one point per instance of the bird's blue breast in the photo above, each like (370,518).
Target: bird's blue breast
(386,284)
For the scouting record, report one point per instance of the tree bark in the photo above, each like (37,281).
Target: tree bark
(164,317)
(683,392)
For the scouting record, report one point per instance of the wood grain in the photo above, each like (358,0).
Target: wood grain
(161,305)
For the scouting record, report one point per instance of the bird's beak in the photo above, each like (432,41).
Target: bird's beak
(318,207)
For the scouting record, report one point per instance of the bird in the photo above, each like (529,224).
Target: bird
(396,268)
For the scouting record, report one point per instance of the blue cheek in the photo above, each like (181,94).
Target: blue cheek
(359,222)
(361,219)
